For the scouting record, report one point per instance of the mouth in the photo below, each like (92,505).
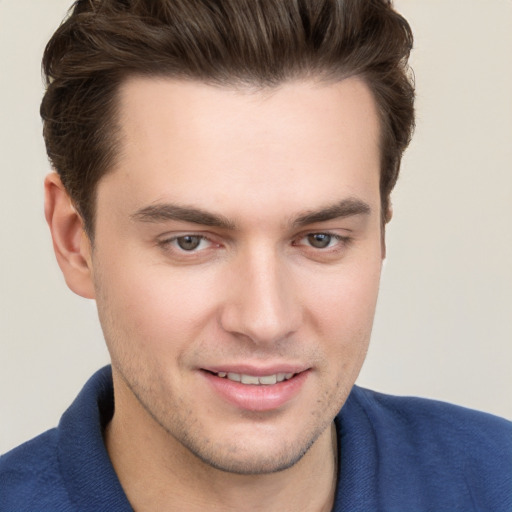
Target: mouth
(257,389)
(255,380)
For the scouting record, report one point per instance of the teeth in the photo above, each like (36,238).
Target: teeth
(249,379)
(266,380)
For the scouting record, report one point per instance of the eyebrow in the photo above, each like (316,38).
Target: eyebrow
(346,208)
(162,212)
(167,211)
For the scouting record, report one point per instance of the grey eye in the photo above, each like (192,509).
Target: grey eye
(189,242)
(319,240)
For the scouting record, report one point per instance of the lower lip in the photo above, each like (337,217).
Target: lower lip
(257,398)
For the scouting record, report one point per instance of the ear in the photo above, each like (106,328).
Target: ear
(389,213)
(70,242)
(387,218)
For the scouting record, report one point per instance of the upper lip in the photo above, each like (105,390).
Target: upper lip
(257,370)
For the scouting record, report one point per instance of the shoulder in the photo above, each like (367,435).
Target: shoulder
(30,476)
(434,420)
(67,468)
(430,453)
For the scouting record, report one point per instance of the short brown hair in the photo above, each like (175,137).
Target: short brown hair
(259,43)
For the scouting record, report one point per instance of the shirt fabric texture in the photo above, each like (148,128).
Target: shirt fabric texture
(396,454)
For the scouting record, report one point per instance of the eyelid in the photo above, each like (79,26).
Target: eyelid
(337,236)
(167,242)
(330,253)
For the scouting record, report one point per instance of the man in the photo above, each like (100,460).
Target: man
(223,172)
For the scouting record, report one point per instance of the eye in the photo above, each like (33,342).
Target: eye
(186,243)
(323,240)
(320,240)
(323,245)
(189,242)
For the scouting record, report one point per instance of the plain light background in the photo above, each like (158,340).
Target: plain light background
(444,321)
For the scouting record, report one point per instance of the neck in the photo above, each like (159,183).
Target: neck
(158,473)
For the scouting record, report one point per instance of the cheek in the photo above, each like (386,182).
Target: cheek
(342,312)
(347,297)
(152,306)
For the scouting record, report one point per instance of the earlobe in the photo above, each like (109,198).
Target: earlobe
(383,246)
(70,242)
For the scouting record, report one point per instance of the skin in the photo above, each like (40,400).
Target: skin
(253,178)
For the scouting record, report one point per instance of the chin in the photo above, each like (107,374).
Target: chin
(262,451)
(241,461)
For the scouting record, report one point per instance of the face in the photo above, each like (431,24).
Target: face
(236,264)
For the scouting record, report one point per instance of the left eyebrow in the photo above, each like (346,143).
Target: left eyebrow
(346,208)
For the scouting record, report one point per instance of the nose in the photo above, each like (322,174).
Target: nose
(262,302)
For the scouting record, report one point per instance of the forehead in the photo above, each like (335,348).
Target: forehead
(191,142)
(152,108)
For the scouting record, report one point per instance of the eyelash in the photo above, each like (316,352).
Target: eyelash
(168,242)
(340,240)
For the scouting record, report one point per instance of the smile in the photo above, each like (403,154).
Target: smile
(257,389)
(263,380)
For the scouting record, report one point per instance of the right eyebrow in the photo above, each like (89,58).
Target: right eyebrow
(162,212)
